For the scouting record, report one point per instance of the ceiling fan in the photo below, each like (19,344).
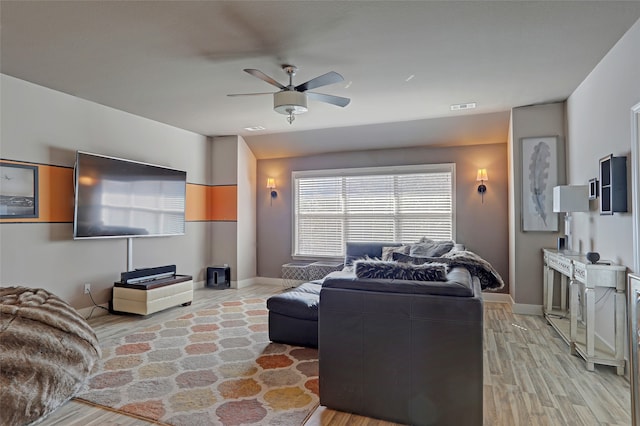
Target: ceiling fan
(292,100)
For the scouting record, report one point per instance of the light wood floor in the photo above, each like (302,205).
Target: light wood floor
(529,376)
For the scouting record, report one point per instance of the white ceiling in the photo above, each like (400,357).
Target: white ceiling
(175,61)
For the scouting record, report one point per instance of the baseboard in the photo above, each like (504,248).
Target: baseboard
(269,281)
(244,283)
(524,309)
(497,298)
(256,280)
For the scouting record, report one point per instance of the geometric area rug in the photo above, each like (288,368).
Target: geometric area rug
(215,366)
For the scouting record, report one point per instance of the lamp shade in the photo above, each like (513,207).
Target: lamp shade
(482,175)
(290,102)
(571,198)
(271,183)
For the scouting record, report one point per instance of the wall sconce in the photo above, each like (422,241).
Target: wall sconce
(482,176)
(271,185)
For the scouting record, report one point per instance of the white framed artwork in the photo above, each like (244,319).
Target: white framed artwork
(539,176)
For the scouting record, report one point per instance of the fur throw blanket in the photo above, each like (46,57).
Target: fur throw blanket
(489,278)
(47,351)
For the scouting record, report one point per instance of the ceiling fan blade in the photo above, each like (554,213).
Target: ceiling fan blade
(250,94)
(330,99)
(328,78)
(262,76)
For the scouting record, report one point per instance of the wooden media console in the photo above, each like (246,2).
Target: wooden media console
(148,296)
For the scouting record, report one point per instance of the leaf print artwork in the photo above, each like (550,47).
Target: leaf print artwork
(538,176)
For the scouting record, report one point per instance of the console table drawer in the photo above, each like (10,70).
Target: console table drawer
(600,275)
(562,265)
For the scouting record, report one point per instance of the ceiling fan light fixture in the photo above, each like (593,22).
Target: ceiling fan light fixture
(289,102)
(292,100)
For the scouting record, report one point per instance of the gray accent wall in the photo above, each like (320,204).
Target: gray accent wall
(481,227)
(526,247)
(234,243)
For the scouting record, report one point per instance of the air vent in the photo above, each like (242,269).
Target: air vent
(459,107)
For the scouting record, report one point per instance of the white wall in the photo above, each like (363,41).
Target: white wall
(44,126)
(598,123)
(598,116)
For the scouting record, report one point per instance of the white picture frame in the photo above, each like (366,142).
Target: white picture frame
(539,176)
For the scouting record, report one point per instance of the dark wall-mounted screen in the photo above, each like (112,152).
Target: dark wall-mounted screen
(122,198)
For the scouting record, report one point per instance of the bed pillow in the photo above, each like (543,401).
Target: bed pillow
(401,271)
(431,248)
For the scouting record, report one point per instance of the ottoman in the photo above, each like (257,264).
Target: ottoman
(293,316)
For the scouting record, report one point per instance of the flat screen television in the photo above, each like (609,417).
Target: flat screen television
(118,198)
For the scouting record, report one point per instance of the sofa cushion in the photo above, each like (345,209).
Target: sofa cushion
(431,248)
(401,271)
(296,304)
(310,288)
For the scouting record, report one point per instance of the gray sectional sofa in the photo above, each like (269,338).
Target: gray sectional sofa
(400,350)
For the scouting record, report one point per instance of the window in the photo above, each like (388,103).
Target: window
(400,204)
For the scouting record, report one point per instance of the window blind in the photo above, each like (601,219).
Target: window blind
(399,204)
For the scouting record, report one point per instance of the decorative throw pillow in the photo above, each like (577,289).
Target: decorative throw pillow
(431,248)
(418,260)
(387,252)
(401,271)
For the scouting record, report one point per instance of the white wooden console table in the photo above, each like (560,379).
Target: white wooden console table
(574,269)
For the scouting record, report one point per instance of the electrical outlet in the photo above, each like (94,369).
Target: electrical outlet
(87,288)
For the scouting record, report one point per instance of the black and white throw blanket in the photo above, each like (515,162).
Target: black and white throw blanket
(489,278)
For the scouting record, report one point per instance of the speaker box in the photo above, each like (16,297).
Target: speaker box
(218,277)
(561,243)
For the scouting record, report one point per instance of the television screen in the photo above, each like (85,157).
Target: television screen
(122,198)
